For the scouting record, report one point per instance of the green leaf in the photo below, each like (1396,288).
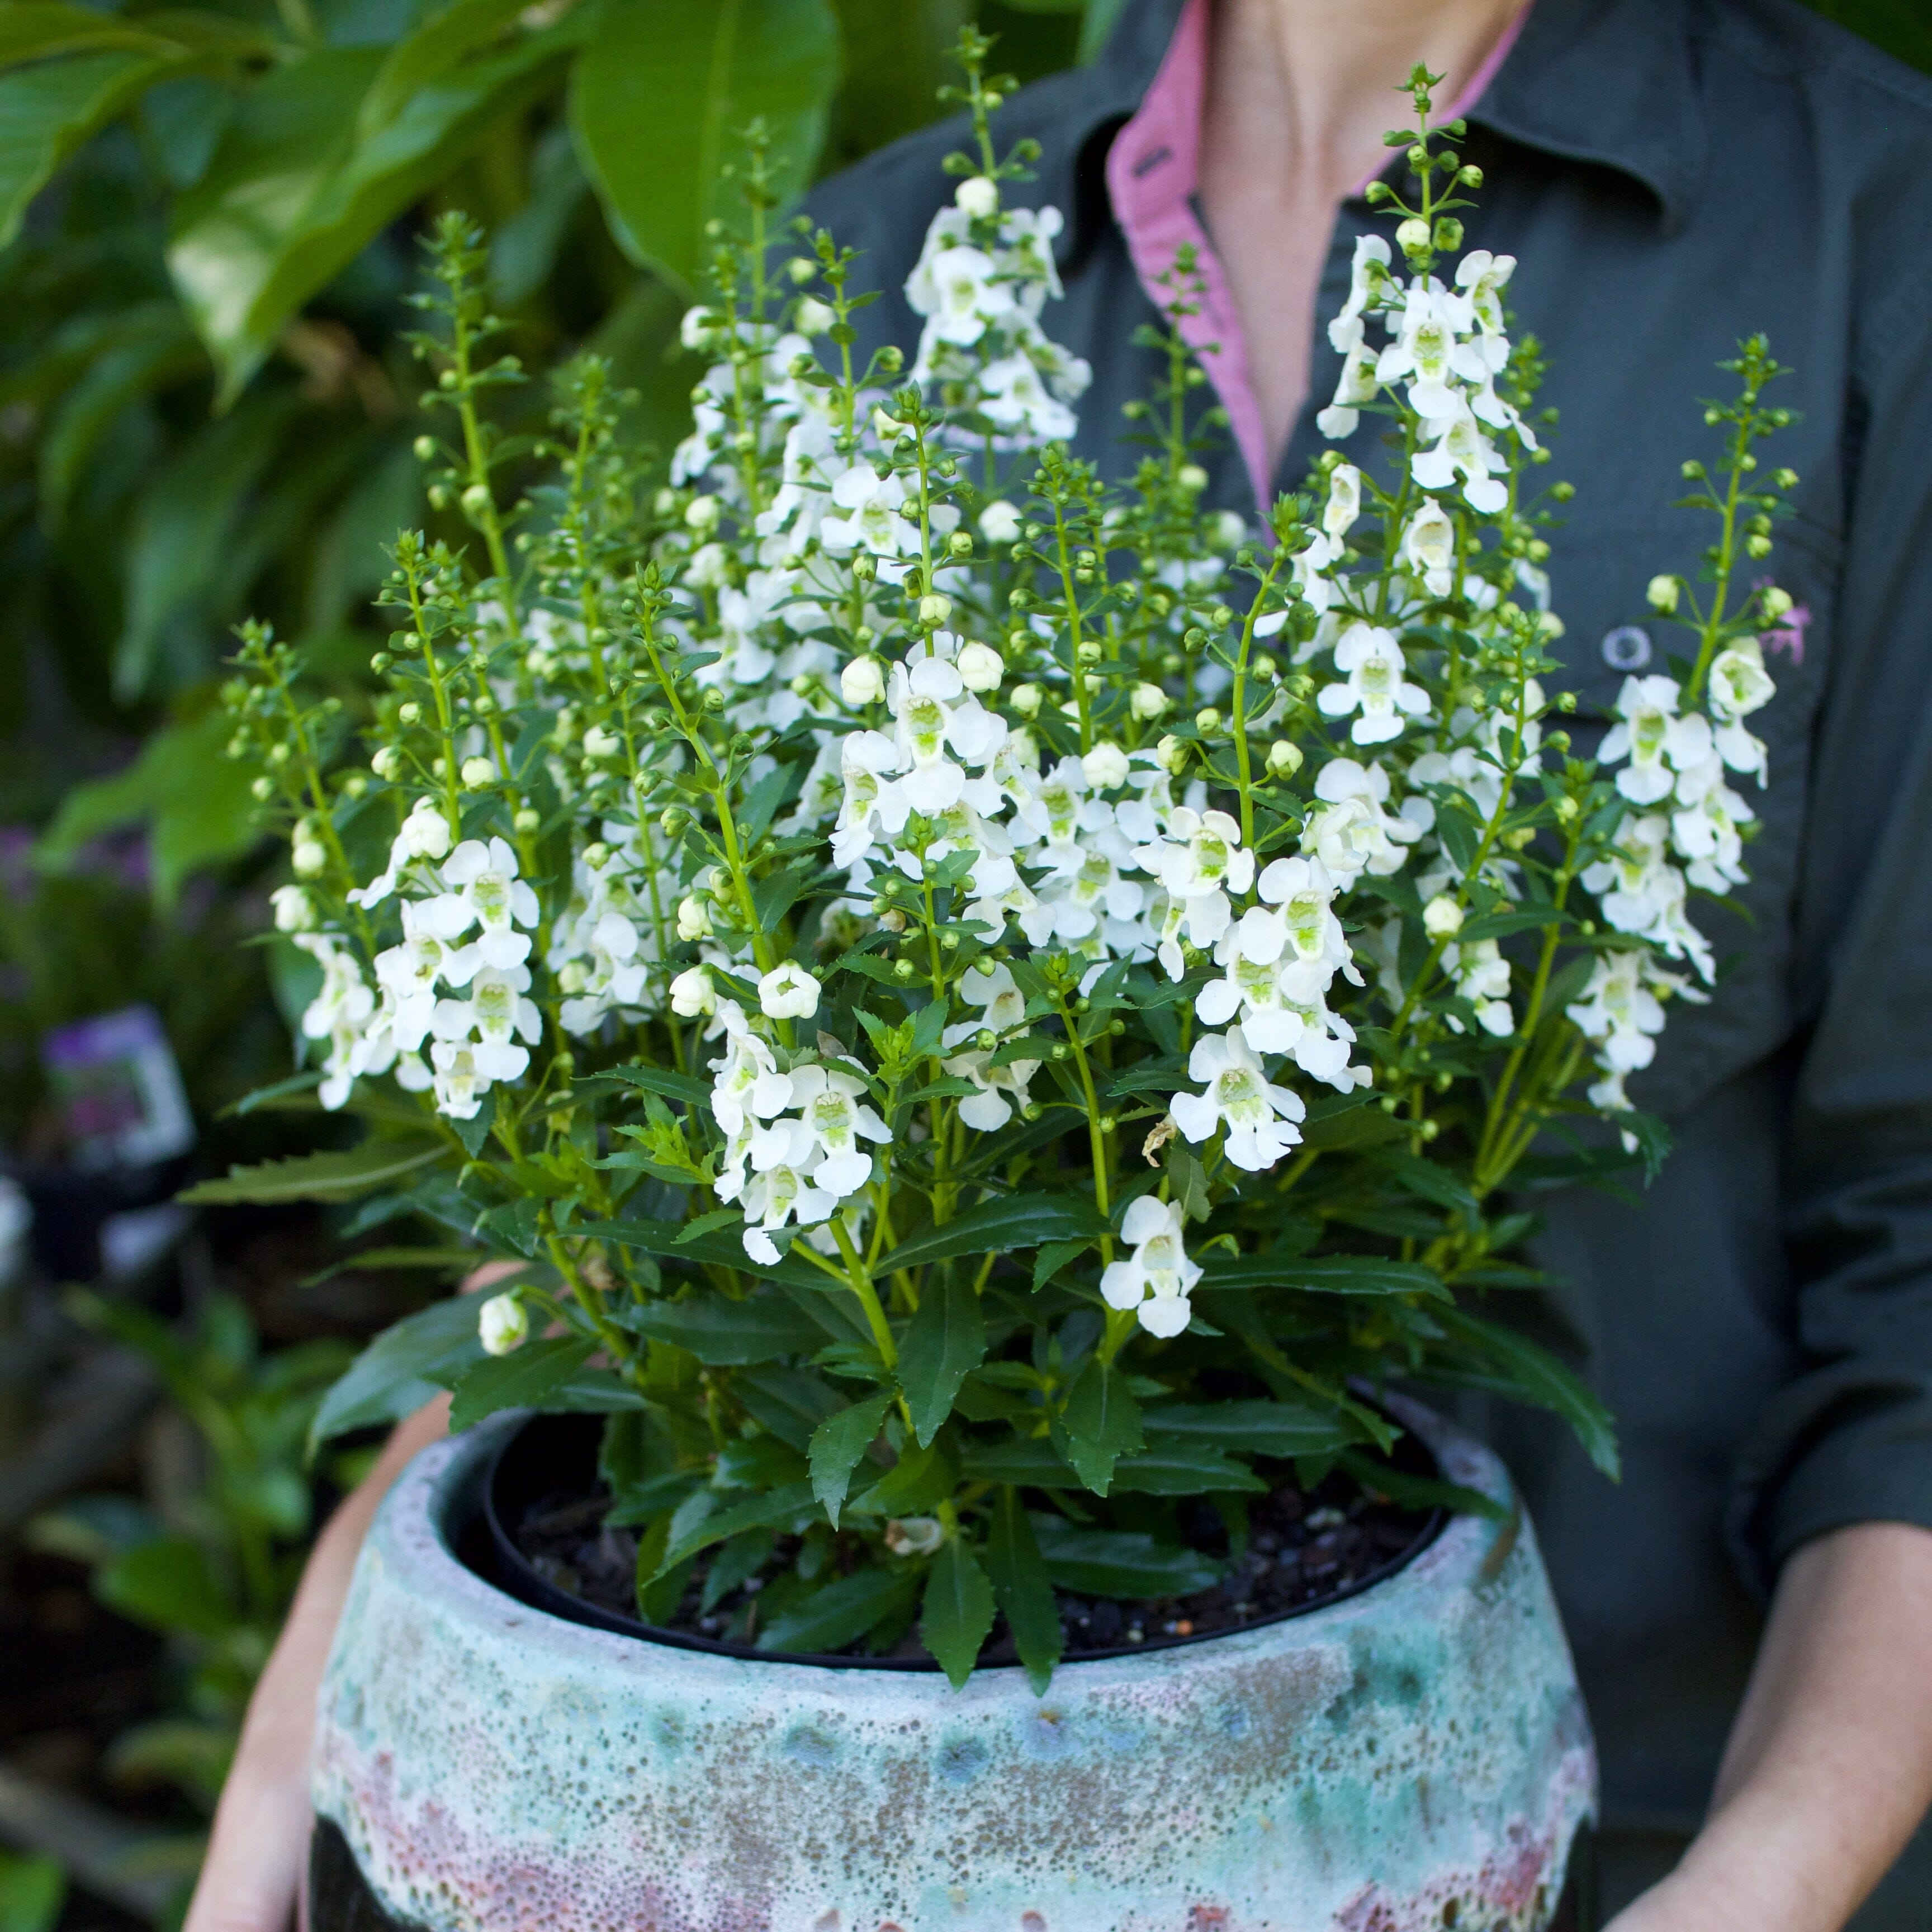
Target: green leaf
(33,1889)
(841,1613)
(1176,1467)
(195,801)
(446,39)
(1324,1274)
(1055,1256)
(1023,1588)
(957,1613)
(1421,1492)
(945,1342)
(664,1080)
(791,1403)
(1253,1427)
(1025,1460)
(772,1509)
(660,98)
(1119,1563)
(837,1445)
(317,1176)
(521,1379)
(187,520)
(664,1239)
(723,1333)
(167,1585)
(40,29)
(920,1480)
(1535,1376)
(1103,1423)
(401,1369)
(1014,1221)
(47,111)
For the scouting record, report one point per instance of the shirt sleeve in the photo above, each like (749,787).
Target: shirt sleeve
(1849,1439)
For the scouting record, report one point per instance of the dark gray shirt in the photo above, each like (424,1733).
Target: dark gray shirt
(1673,175)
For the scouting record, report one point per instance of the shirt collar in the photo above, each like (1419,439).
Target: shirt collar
(1607,82)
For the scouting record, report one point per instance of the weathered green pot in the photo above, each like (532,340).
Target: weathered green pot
(1416,1756)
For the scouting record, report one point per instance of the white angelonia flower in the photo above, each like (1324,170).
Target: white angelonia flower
(423,834)
(747,1085)
(788,992)
(1357,833)
(1367,277)
(1423,352)
(1013,395)
(1739,685)
(1002,1089)
(692,994)
(1356,386)
(1199,862)
(1658,743)
(981,667)
(1642,893)
(970,295)
(343,1013)
(502,1325)
(1620,1016)
(1462,450)
(1259,1116)
(294,910)
(815,317)
(874,805)
(1482,277)
(978,195)
(1482,977)
(1372,662)
(1156,1280)
(776,1195)
(460,1084)
(1709,833)
(1428,547)
(1000,522)
(836,1118)
(481,888)
(1441,917)
(867,519)
(1344,506)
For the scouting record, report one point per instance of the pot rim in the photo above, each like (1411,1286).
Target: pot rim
(528,1587)
(440,1494)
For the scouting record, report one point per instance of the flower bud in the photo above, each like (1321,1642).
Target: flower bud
(1105,765)
(978,195)
(1284,759)
(1146,702)
(694,919)
(409,712)
(478,772)
(1207,721)
(1191,478)
(692,994)
(981,667)
(801,269)
(935,609)
(295,911)
(1441,917)
(1412,237)
(1663,594)
(309,857)
(262,789)
(1171,753)
(1775,602)
(813,317)
(527,820)
(597,855)
(862,682)
(702,513)
(502,1325)
(1024,699)
(387,763)
(916,1535)
(424,448)
(1000,522)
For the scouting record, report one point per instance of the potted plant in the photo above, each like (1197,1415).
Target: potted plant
(993,1016)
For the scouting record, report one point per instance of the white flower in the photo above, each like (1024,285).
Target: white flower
(981,667)
(1376,684)
(1462,450)
(1156,1280)
(1147,702)
(1344,505)
(1356,386)
(692,993)
(1657,742)
(1441,917)
(1482,976)
(481,888)
(295,911)
(777,1194)
(1000,522)
(1356,834)
(788,992)
(1708,834)
(915,1535)
(1105,765)
(1424,352)
(747,1083)
(814,316)
(1642,893)
(1367,276)
(1618,1012)
(978,195)
(1013,397)
(1001,1088)
(836,1117)
(502,1325)
(1259,1115)
(423,834)
(694,918)
(1428,547)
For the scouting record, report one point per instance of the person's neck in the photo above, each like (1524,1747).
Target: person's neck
(1307,87)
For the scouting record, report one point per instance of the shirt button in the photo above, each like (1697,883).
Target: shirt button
(1627,648)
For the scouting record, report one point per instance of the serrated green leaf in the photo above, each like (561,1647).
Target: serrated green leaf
(1173,1466)
(772,1509)
(918,1482)
(317,1177)
(1025,1460)
(1119,1563)
(1421,1492)
(402,1368)
(945,1342)
(1103,1423)
(521,1379)
(1023,1589)
(837,1445)
(791,1403)
(724,1333)
(1252,1426)
(1324,1274)
(841,1612)
(1537,1377)
(957,1611)
(1016,1221)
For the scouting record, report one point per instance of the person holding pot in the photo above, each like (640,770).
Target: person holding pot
(1752,1609)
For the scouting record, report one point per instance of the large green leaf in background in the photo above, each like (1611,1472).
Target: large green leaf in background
(661,95)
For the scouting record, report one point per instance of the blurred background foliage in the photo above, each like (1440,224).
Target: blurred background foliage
(208,223)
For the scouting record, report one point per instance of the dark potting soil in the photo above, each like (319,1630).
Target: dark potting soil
(1303,1548)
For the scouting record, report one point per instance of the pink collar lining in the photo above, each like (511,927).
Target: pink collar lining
(1153,169)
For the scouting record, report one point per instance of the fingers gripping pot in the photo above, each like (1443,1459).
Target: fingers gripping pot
(1414,1756)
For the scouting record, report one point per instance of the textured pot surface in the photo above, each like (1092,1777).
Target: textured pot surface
(1415,1757)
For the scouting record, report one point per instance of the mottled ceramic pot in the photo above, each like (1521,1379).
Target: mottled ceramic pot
(1416,1756)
